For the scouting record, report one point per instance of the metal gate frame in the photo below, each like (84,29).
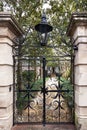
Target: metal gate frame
(44,91)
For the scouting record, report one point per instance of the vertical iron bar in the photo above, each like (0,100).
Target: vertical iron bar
(72,73)
(44,101)
(28,88)
(72,80)
(28,105)
(59,89)
(14,89)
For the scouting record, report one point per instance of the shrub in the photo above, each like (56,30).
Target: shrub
(68,96)
(28,75)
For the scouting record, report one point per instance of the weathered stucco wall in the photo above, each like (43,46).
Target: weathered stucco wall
(9,29)
(77,30)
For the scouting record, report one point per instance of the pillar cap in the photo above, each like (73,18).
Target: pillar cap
(7,20)
(77,19)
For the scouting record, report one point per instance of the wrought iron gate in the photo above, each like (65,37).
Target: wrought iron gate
(43,89)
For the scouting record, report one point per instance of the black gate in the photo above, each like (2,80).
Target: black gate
(43,89)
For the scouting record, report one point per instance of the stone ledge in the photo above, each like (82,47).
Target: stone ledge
(80,96)
(83,122)
(77,19)
(80,75)
(5,89)
(7,20)
(7,73)
(6,99)
(6,123)
(80,40)
(81,110)
(6,112)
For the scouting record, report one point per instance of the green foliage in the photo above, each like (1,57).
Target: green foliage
(28,14)
(68,96)
(1,6)
(20,103)
(38,84)
(28,76)
(22,100)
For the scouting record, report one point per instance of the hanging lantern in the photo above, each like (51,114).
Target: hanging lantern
(43,29)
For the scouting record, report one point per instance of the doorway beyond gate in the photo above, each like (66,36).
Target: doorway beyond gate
(43,90)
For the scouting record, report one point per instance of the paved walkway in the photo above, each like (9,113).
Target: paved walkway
(41,127)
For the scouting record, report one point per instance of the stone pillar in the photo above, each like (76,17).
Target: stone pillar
(77,31)
(9,29)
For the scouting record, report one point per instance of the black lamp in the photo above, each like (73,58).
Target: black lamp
(43,28)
